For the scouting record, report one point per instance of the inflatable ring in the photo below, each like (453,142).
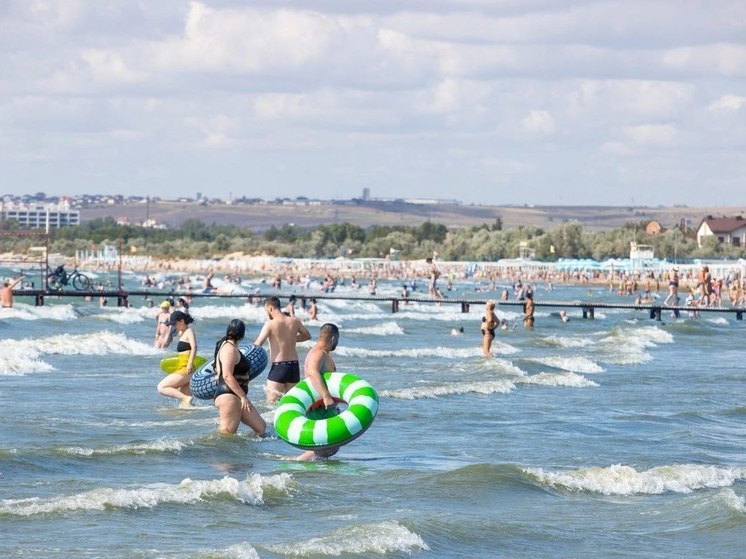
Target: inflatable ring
(177,363)
(204,382)
(295,425)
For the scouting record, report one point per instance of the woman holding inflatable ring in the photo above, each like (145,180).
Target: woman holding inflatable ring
(231,397)
(176,385)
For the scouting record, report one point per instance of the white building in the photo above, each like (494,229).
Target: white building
(40,216)
(731,230)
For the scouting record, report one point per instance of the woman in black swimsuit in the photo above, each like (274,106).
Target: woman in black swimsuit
(489,323)
(234,370)
(176,385)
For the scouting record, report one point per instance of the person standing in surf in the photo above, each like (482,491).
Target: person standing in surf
(234,371)
(163,330)
(176,385)
(528,311)
(489,323)
(283,333)
(6,291)
(318,361)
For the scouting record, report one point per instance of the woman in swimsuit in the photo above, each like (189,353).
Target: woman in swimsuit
(489,323)
(234,370)
(673,287)
(176,385)
(163,331)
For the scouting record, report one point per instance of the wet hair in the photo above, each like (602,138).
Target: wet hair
(328,331)
(180,315)
(272,302)
(235,331)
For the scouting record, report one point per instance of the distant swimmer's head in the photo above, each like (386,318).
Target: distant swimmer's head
(329,335)
(176,316)
(236,330)
(165,304)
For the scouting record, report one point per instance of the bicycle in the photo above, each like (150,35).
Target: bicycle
(59,278)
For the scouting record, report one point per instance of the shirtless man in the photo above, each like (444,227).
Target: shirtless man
(283,332)
(313,310)
(705,285)
(6,292)
(528,311)
(319,360)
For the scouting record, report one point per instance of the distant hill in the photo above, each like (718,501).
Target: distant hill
(262,216)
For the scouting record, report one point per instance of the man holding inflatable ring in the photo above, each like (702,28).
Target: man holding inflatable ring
(318,361)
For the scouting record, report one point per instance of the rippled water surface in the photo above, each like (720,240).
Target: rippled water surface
(615,437)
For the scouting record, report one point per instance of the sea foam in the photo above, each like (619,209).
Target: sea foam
(154,447)
(21,311)
(564,341)
(576,364)
(23,356)
(249,491)
(380,538)
(487,387)
(625,480)
(444,352)
(562,379)
(383,329)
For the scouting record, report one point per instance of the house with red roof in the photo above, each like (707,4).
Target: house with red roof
(731,230)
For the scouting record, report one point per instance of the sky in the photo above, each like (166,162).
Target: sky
(492,102)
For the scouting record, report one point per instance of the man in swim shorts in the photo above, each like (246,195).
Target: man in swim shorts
(283,333)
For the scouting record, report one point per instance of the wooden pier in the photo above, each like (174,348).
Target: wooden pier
(588,308)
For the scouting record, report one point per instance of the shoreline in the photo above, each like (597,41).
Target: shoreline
(293,270)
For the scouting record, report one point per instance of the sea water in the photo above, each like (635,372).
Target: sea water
(614,437)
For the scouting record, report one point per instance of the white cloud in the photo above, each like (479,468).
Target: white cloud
(538,122)
(727,60)
(636,97)
(616,148)
(727,103)
(652,134)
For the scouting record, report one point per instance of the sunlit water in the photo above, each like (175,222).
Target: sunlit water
(613,437)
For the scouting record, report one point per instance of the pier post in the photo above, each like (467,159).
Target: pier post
(585,312)
(39,300)
(394,305)
(739,315)
(591,313)
(303,303)
(464,306)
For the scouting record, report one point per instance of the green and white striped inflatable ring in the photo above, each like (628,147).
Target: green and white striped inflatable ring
(295,425)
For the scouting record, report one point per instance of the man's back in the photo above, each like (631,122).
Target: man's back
(283,335)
